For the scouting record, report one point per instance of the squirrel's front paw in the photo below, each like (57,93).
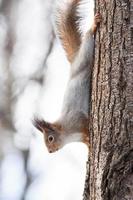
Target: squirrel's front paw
(97,20)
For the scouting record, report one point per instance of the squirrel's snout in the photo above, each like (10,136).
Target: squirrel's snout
(52,151)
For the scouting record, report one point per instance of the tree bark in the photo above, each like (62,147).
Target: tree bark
(110,165)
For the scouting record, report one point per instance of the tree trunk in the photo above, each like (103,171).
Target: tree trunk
(110,168)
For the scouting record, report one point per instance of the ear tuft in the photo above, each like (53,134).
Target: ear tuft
(42,125)
(38,124)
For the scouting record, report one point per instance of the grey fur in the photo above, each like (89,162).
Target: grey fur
(76,99)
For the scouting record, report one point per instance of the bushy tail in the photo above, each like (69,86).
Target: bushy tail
(67,21)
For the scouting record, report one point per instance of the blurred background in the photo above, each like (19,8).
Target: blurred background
(33,76)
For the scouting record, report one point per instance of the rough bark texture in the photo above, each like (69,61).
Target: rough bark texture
(110,168)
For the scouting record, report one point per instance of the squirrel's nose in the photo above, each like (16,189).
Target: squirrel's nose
(50,151)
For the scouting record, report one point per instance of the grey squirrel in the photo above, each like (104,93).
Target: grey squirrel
(72,126)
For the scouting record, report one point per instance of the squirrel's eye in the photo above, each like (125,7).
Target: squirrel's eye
(50,138)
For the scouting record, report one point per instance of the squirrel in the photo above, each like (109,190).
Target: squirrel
(72,125)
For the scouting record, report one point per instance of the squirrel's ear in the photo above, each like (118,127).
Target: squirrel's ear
(42,125)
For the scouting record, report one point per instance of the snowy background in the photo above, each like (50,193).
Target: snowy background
(33,76)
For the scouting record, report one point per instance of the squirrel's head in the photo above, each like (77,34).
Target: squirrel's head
(52,134)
